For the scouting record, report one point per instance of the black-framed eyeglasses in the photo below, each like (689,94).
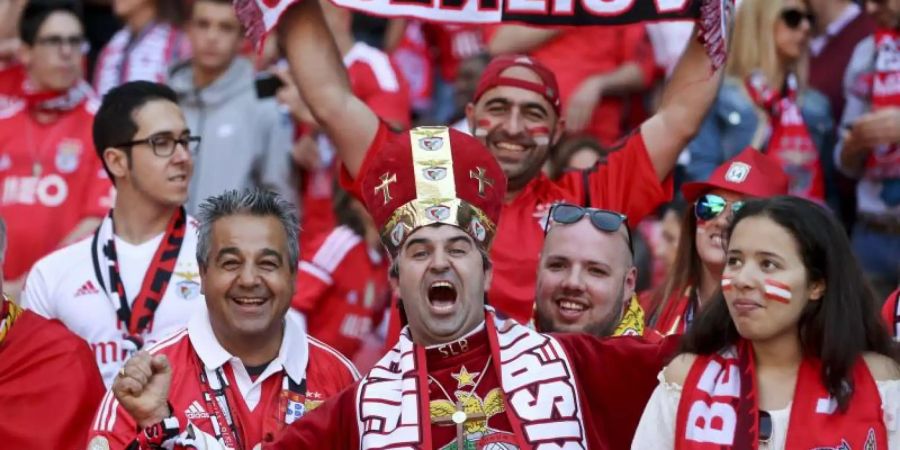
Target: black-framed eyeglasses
(709,206)
(603,220)
(766,428)
(163,145)
(792,17)
(56,42)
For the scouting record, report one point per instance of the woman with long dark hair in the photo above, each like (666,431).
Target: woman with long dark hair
(790,353)
(700,256)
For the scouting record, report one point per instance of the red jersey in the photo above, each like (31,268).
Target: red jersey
(627,183)
(49,386)
(50,177)
(891,313)
(453,43)
(375,80)
(578,53)
(343,290)
(613,377)
(253,402)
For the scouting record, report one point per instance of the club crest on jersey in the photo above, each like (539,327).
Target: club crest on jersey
(294,411)
(431,143)
(434,173)
(68,154)
(188,289)
(438,213)
(98,443)
(737,172)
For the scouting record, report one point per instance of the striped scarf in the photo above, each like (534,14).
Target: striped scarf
(9,312)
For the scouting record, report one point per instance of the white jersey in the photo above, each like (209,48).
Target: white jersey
(64,285)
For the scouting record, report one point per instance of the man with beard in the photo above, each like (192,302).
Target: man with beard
(586,276)
(516,114)
(460,377)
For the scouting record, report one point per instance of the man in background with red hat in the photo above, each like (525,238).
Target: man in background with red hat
(515,114)
(460,377)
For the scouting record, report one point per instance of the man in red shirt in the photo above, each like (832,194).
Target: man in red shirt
(239,373)
(597,69)
(45,372)
(515,113)
(343,289)
(53,189)
(375,80)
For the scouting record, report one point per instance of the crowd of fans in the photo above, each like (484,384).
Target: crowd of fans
(122,122)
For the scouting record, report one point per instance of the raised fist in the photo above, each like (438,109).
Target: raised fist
(142,388)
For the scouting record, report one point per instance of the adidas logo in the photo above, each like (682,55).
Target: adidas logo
(195,411)
(86,289)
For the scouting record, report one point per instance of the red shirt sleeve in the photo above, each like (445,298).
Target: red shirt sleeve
(617,376)
(331,426)
(391,106)
(50,383)
(627,183)
(888,312)
(313,284)
(353,186)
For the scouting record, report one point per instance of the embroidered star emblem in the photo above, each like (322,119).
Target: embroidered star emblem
(465,378)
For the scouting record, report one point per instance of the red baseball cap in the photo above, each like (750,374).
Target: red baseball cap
(431,175)
(751,173)
(491,78)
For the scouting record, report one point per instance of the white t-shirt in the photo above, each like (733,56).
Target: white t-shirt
(63,285)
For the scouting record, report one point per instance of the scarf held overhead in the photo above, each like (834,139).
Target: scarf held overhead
(393,405)
(260,16)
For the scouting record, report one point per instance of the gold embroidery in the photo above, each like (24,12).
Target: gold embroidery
(481,178)
(632,323)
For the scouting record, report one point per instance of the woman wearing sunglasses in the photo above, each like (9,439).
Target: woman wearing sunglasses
(765,101)
(790,354)
(700,256)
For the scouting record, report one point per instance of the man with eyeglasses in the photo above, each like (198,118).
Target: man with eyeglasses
(52,189)
(135,279)
(869,149)
(586,275)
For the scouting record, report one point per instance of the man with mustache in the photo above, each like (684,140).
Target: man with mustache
(516,114)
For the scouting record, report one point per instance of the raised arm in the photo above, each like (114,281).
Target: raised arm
(686,99)
(321,77)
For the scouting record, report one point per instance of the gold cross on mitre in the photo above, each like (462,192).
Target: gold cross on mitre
(459,418)
(482,180)
(385,186)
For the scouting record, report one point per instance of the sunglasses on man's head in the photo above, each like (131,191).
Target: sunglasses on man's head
(792,17)
(601,219)
(709,206)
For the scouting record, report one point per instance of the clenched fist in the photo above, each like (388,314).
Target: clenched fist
(142,388)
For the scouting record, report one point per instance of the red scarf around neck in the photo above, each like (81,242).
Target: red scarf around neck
(719,408)
(790,140)
(884,85)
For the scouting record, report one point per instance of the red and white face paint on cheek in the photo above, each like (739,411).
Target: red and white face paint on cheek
(727,284)
(483,127)
(777,291)
(539,134)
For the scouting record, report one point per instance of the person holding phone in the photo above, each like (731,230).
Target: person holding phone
(244,134)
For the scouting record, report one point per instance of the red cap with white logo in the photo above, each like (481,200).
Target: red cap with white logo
(491,78)
(750,173)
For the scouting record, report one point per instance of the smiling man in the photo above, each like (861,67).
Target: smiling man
(134,280)
(516,114)
(586,275)
(243,370)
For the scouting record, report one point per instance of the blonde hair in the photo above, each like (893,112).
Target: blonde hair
(753,46)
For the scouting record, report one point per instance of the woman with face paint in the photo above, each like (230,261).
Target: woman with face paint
(789,354)
(700,257)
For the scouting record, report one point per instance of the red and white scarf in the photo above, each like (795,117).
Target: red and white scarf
(18,93)
(884,87)
(145,56)
(719,409)
(136,319)
(789,140)
(259,17)
(392,399)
